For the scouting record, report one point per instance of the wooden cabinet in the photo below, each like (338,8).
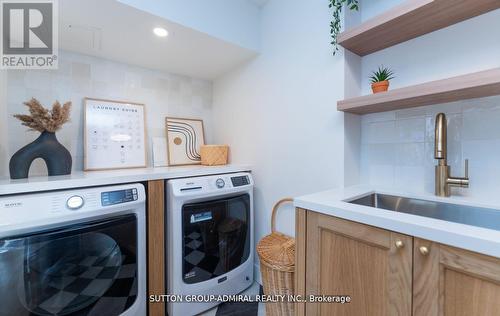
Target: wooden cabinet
(452,281)
(156,245)
(387,273)
(372,265)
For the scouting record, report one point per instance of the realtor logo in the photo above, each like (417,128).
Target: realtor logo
(29,34)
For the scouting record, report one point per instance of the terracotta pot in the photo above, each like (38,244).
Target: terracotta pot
(381,86)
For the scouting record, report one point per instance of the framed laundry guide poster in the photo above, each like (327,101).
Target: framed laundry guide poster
(114,135)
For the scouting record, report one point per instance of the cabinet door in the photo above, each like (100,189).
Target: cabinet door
(451,281)
(371,265)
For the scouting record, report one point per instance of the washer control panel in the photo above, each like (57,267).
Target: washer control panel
(23,212)
(118,197)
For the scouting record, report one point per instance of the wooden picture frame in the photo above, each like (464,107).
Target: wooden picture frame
(188,133)
(116,129)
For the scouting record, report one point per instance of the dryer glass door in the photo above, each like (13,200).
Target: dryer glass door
(216,237)
(83,269)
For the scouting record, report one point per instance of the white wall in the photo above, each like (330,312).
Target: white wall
(370,8)
(397,146)
(352,122)
(278,112)
(82,76)
(236,21)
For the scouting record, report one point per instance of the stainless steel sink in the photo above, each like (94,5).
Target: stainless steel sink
(469,215)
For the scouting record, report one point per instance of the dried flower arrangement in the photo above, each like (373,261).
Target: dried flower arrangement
(42,119)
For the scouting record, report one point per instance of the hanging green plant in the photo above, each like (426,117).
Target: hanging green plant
(335,24)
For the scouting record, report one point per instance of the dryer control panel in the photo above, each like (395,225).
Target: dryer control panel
(240,181)
(219,184)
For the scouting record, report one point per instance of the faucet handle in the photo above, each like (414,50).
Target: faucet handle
(467,168)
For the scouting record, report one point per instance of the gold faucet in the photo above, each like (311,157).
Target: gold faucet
(444,181)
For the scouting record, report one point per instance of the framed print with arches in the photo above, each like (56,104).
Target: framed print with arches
(184,138)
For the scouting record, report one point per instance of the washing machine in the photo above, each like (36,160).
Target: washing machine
(74,252)
(209,238)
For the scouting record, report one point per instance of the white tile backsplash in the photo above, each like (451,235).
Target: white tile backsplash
(398,146)
(448,108)
(482,124)
(379,154)
(410,178)
(410,154)
(81,76)
(484,165)
(409,113)
(379,117)
(411,130)
(379,132)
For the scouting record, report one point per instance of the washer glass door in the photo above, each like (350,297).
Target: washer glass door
(83,269)
(216,237)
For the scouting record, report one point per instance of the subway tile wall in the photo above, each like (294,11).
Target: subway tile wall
(398,147)
(80,76)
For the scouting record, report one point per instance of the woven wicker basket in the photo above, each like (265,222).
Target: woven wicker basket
(214,155)
(277,266)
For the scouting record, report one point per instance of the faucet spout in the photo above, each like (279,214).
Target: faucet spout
(444,181)
(440,138)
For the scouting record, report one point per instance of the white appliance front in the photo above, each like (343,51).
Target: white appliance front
(74,252)
(210,239)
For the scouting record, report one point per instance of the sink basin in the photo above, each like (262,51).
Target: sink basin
(463,214)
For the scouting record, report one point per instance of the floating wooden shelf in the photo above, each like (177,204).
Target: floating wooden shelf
(475,85)
(411,19)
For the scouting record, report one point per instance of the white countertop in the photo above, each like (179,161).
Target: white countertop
(332,202)
(97,178)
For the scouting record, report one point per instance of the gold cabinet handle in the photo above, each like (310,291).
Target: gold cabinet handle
(424,250)
(399,244)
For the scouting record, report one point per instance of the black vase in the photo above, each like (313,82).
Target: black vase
(46,146)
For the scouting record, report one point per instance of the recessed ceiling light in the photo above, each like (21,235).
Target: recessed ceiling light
(160,31)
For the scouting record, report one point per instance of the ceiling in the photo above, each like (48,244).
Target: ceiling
(119,32)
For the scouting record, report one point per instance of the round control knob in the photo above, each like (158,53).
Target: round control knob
(220,183)
(75,202)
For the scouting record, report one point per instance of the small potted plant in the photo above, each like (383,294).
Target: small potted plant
(380,79)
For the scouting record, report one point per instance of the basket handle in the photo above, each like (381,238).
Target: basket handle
(275,210)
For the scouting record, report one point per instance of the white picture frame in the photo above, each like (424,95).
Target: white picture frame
(114,135)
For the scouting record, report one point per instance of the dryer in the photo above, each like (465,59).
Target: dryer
(209,238)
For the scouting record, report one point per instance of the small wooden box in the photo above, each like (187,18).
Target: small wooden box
(214,155)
